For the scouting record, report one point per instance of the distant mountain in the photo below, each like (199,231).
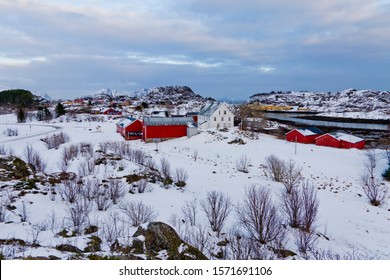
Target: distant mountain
(42,95)
(350,100)
(169,95)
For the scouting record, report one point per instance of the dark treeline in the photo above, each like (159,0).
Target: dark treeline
(19,97)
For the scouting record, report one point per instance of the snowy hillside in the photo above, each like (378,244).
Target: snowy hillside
(39,216)
(347,101)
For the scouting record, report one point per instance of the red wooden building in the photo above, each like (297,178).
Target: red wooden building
(111,111)
(168,128)
(304,135)
(130,128)
(340,140)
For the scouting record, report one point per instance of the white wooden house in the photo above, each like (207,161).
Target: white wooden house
(215,115)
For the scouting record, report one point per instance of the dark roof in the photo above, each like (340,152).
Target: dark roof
(315,130)
(150,121)
(209,109)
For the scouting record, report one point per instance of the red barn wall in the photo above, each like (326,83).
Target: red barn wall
(165,131)
(348,145)
(135,127)
(328,141)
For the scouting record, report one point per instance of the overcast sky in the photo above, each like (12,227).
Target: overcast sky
(231,48)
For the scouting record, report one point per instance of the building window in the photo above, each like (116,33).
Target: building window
(224,112)
(229,119)
(215,119)
(222,119)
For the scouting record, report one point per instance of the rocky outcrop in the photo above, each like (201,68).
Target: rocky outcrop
(160,241)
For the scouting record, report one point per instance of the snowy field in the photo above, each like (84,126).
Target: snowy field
(347,223)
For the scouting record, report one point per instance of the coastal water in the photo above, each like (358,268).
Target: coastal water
(299,119)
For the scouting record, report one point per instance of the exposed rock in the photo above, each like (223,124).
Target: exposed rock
(68,248)
(158,237)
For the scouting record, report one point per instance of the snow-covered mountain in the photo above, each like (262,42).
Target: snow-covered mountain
(350,100)
(42,95)
(169,94)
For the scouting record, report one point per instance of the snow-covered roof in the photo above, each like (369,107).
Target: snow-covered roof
(151,121)
(346,137)
(125,122)
(209,109)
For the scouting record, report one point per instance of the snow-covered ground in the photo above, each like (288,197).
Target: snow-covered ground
(345,217)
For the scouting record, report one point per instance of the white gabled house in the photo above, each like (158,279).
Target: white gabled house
(215,115)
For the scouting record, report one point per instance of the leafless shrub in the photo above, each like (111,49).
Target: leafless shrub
(292,175)
(54,141)
(292,207)
(195,154)
(116,190)
(276,167)
(241,248)
(102,197)
(199,238)
(11,132)
(151,164)
(86,149)
(69,191)
(39,163)
(189,210)
(34,158)
(258,216)
(63,163)
(181,176)
(305,242)
(143,186)
(29,152)
(77,215)
(310,205)
(138,212)
(86,167)
(23,212)
(138,157)
(34,233)
(112,230)
(217,207)
(242,164)
(165,168)
(3,210)
(373,188)
(3,150)
(73,151)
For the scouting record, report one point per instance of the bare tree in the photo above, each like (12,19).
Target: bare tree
(292,175)
(198,237)
(373,188)
(259,217)
(276,167)
(189,210)
(29,153)
(217,207)
(138,212)
(242,164)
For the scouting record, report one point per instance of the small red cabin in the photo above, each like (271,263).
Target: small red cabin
(304,135)
(340,140)
(130,128)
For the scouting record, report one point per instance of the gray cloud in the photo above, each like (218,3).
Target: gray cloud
(219,47)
